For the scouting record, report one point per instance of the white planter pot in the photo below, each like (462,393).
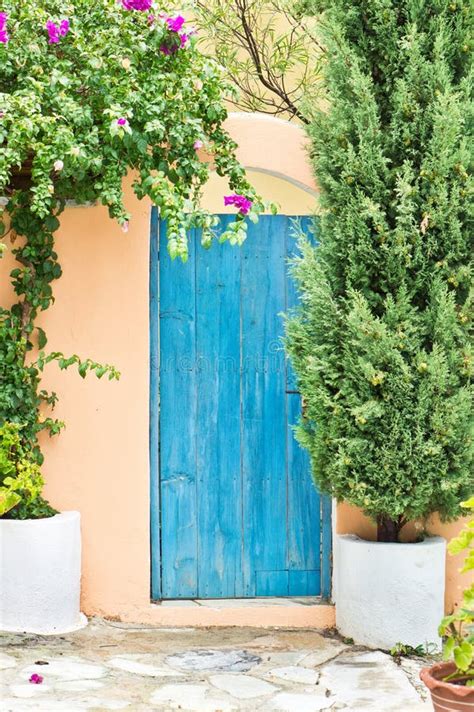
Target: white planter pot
(390,593)
(40,582)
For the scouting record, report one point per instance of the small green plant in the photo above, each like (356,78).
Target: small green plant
(402,650)
(21,481)
(458,628)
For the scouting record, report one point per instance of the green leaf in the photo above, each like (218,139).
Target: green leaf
(448,648)
(42,339)
(463,656)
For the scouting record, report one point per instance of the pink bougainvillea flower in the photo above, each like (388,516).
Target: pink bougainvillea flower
(140,5)
(198,144)
(64,28)
(184,38)
(240,202)
(122,122)
(53,32)
(36,679)
(175,24)
(3,28)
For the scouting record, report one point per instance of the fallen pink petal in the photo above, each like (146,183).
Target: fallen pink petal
(36,679)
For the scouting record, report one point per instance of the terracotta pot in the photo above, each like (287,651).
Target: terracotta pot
(446,696)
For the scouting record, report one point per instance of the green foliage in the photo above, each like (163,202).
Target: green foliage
(118,92)
(458,628)
(20,477)
(381,343)
(403,650)
(62,102)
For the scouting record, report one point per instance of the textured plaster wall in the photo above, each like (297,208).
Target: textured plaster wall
(99,464)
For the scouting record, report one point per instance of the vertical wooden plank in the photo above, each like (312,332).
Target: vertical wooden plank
(263,401)
(218,418)
(155,534)
(326,548)
(308,225)
(178,423)
(304,518)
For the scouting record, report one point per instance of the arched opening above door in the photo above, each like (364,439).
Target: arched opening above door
(275,154)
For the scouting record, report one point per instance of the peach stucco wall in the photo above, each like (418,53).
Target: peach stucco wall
(99,464)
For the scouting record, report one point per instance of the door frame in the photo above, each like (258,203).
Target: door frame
(154,439)
(154,417)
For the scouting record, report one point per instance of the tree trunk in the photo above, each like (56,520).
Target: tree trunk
(388,530)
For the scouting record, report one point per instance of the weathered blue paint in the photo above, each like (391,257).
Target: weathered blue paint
(178,417)
(239,513)
(219,504)
(263,407)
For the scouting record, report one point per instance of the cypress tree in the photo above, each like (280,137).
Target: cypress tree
(381,341)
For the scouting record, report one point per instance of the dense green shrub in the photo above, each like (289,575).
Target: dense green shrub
(21,481)
(381,342)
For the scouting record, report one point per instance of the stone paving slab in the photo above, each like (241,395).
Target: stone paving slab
(114,666)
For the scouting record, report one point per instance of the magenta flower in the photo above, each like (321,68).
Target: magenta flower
(122,121)
(240,202)
(175,23)
(3,28)
(36,679)
(137,4)
(198,144)
(55,32)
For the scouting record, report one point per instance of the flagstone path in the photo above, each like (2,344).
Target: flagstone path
(113,666)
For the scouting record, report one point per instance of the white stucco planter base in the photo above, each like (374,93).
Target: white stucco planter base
(389,593)
(40,577)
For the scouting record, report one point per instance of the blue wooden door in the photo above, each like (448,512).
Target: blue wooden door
(234,510)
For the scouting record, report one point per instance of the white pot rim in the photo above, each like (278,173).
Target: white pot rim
(357,540)
(70,514)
